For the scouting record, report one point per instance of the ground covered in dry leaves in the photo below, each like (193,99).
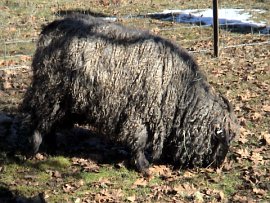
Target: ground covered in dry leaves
(88,169)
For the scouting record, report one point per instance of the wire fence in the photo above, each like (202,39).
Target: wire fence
(19,33)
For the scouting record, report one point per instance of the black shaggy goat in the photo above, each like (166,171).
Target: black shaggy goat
(136,88)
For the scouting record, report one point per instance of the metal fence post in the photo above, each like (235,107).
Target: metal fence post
(215,25)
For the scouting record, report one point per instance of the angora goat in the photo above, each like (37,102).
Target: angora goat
(137,88)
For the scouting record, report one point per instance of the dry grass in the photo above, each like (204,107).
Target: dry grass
(241,73)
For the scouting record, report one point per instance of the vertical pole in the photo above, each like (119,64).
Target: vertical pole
(215,24)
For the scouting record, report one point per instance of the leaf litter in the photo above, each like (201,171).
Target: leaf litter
(241,73)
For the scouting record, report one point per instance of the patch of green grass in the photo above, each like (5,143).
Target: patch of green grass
(250,125)
(119,175)
(123,179)
(28,190)
(24,181)
(7,175)
(43,177)
(23,20)
(52,163)
(229,183)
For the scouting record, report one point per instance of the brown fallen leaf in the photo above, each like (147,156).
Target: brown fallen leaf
(12,29)
(244,132)
(242,139)
(77,200)
(140,182)
(7,85)
(240,198)
(256,116)
(101,198)
(220,194)
(259,191)
(30,177)
(86,164)
(244,153)
(257,158)
(39,156)
(2,62)
(189,174)
(131,198)
(80,182)
(266,108)
(68,188)
(159,169)
(199,197)
(104,182)
(26,58)
(228,165)
(108,195)
(266,137)
(185,189)
(56,174)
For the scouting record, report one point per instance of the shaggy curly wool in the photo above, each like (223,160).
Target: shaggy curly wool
(136,88)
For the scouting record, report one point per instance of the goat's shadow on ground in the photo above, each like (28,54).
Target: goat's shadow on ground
(78,142)
(85,143)
(9,196)
(81,141)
